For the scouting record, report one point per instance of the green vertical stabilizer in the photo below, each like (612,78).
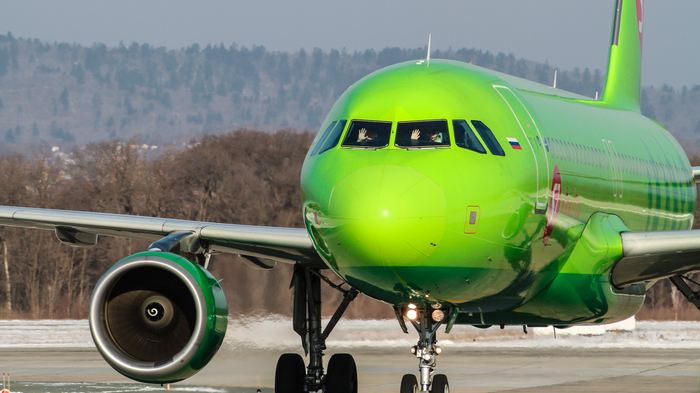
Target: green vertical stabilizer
(623,84)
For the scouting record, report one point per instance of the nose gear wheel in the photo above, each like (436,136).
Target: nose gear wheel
(409,384)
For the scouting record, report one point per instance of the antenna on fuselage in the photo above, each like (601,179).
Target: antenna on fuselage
(428,58)
(555,79)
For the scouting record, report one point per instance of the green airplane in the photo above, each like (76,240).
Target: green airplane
(455,194)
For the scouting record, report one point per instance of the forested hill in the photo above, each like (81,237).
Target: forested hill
(52,94)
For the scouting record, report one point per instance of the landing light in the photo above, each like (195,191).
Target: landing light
(438,315)
(438,350)
(412,314)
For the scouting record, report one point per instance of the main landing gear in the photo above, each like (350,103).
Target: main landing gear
(681,282)
(426,323)
(290,374)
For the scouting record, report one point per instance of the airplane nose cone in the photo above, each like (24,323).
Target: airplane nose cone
(389,215)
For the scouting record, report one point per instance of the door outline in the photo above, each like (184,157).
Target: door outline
(614,168)
(541,168)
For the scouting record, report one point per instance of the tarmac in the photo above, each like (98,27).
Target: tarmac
(474,370)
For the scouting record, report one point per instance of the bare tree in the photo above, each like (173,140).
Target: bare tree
(8,286)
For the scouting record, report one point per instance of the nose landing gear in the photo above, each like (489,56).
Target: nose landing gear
(426,351)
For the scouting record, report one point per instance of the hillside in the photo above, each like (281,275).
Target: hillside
(68,94)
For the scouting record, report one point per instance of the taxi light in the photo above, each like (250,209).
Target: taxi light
(411,306)
(413,349)
(438,350)
(412,314)
(438,315)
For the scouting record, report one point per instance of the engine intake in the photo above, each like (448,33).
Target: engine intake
(157,317)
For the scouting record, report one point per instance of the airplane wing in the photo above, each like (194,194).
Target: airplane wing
(259,246)
(655,255)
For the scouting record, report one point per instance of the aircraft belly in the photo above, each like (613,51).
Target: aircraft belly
(471,287)
(571,299)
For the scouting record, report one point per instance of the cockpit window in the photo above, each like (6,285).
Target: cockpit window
(488,138)
(368,134)
(323,138)
(334,137)
(465,137)
(420,134)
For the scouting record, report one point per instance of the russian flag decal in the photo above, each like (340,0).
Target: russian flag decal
(514,143)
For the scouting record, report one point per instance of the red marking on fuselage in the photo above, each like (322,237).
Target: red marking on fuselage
(640,21)
(554,205)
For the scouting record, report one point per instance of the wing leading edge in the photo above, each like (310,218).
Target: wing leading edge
(655,255)
(254,243)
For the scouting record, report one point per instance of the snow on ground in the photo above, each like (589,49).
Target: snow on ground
(275,333)
(73,387)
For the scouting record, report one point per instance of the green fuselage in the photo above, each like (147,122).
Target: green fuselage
(493,235)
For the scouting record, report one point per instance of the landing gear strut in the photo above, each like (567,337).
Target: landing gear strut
(681,282)
(342,372)
(426,351)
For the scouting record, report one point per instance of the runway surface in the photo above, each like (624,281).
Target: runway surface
(57,356)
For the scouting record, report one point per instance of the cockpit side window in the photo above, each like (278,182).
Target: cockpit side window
(421,134)
(334,137)
(488,138)
(465,137)
(368,134)
(323,138)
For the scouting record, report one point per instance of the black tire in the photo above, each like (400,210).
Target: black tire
(289,374)
(409,384)
(342,374)
(440,384)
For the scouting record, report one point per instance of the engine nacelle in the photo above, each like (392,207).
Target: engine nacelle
(157,317)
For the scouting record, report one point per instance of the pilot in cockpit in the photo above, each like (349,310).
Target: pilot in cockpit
(434,137)
(364,135)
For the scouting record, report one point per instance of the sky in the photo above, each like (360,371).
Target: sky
(566,34)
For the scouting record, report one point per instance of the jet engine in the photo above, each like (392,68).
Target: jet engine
(157,317)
